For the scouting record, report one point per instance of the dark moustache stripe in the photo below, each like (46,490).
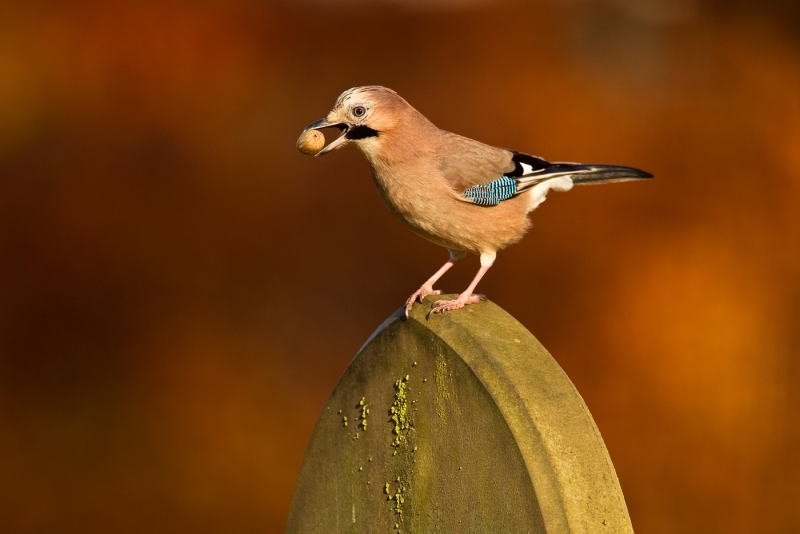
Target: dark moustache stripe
(361,132)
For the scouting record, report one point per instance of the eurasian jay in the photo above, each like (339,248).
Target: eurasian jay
(458,193)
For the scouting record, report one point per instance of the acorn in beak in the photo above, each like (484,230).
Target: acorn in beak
(343,127)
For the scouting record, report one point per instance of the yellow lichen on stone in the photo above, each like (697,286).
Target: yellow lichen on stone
(397,497)
(399,500)
(364,412)
(399,410)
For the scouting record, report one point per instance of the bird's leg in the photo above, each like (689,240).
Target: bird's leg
(466,297)
(427,287)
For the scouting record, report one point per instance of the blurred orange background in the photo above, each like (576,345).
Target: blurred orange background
(181,289)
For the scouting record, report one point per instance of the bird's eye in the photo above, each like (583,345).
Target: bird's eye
(359,111)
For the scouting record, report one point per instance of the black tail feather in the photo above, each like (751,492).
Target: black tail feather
(604,174)
(582,174)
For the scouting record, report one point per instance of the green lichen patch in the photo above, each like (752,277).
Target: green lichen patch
(397,497)
(364,412)
(399,411)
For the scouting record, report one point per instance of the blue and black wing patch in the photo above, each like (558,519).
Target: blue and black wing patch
(493,193)
(530,171)
(506,186)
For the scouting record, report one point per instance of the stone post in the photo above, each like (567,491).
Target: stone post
(459,423)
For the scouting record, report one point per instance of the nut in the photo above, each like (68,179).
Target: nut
(311,142)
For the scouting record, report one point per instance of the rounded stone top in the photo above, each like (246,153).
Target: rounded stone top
(462,422)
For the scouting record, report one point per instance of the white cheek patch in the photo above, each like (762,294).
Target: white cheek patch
(539,192)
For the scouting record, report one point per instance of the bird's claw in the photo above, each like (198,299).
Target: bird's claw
(420,295)
(441,306)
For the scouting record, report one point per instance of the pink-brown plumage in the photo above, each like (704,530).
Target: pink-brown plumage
(424,174)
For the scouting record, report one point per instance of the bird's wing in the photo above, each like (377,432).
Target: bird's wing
(484,174)
(465,163)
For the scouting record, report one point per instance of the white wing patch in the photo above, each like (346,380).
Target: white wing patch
(526,169)
(539,192)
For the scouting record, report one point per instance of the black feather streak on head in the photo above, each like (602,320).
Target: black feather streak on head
(361,132)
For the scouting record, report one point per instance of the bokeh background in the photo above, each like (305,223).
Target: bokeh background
(180,289)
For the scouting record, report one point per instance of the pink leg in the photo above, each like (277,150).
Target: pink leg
(427,287)
(466,297)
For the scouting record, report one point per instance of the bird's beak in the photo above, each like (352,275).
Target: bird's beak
(336,143)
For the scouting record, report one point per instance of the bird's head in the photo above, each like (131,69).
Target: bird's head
(364,116)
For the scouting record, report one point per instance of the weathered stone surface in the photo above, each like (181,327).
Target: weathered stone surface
(467,425)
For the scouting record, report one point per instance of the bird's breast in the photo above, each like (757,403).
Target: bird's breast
(425,201)
(414,197)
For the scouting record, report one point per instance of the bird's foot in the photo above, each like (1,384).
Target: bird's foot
(420,294)
(441,306)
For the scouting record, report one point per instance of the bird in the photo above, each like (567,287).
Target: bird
(461,194)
